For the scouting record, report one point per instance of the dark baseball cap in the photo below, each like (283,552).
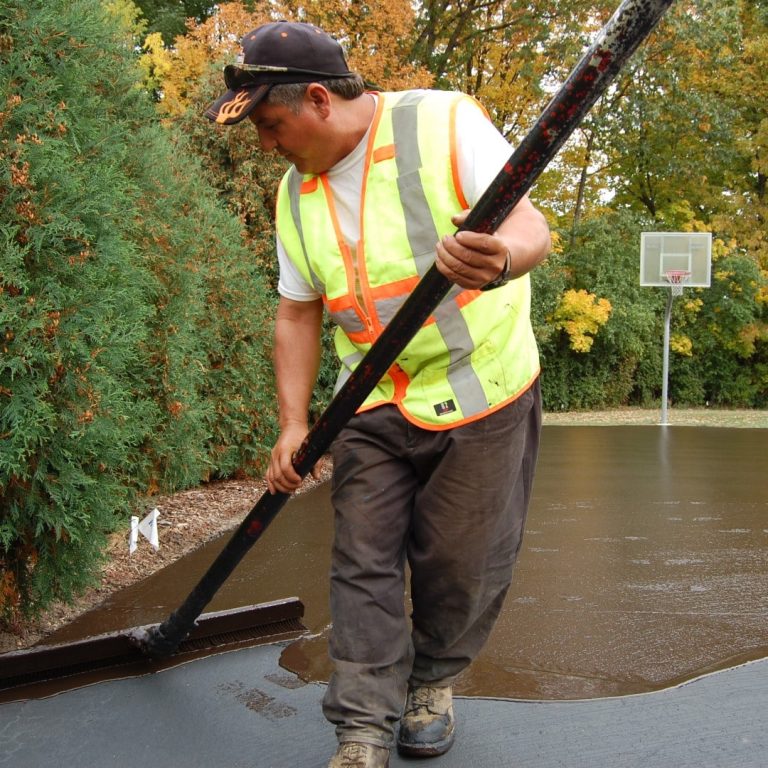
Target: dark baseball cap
(276,53)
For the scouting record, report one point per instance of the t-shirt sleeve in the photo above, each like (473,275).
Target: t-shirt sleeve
(291,282)
(481,150)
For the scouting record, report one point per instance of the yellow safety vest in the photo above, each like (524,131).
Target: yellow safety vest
(476,353)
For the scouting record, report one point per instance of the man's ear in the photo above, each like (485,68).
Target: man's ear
(319,98)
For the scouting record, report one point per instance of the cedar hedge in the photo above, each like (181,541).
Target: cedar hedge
(132,320)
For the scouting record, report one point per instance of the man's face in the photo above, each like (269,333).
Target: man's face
(299,138)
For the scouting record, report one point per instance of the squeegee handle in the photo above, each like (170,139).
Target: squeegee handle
(627,28)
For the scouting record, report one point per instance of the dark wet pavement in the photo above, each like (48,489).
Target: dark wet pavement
(240,710)
(645,564)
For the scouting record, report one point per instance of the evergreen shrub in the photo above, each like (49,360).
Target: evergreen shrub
(131,316)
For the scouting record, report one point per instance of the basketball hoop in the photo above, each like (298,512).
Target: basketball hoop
(677,279)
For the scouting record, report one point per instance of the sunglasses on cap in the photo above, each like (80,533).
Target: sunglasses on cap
(248,75)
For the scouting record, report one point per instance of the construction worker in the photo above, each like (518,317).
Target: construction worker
(435,469)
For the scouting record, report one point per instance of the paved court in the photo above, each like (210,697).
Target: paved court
(241,710)
(645,562)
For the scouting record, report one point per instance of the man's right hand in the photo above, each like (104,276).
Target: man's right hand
(281,475)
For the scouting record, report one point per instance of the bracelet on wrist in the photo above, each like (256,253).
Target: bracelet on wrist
(504,276)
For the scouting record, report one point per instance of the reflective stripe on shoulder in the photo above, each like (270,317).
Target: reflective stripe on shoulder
(295,183)
(420,227)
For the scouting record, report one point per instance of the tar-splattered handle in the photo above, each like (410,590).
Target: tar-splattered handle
(628,27)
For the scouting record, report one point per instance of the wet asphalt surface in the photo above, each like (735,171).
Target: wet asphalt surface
(645,564)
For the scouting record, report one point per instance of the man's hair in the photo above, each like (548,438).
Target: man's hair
(290,94)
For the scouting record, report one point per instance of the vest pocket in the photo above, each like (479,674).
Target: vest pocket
(466,387)
(490,369)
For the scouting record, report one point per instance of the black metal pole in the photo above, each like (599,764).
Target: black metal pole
(627,28)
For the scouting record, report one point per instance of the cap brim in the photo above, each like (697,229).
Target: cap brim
(235,106)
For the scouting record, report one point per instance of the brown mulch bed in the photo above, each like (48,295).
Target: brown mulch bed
(681,417)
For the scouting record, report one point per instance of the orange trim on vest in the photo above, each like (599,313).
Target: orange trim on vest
(441,427)
(466,297)
(398,288)
(389,291)
(340,242)
(359,337)
(349,266)
(339,304)
(455,157)
(386,152)
(365,289)
(309,186)
(400,380)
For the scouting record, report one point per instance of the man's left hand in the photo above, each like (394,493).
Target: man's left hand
(470,259)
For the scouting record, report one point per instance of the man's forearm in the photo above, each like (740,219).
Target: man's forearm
(526,233)
(296,358)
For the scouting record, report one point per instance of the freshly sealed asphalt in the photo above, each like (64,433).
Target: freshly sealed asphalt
(241,710)
(645,566)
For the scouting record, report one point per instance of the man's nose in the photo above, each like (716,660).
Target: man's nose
(267,142)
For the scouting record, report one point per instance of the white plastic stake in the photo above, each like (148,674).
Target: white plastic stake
(148,528)
(133,539)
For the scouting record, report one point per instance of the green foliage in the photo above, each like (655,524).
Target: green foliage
(169,17)
(669,128)
(131,316)
(720,336)
(208,369)
(678,141)
(604,262)
(69,421)
(730,334)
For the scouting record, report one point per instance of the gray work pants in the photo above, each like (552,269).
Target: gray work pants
(453,503)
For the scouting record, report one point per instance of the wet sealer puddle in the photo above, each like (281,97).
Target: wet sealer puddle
(645,564)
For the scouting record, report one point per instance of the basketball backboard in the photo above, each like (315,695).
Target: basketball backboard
(665,253)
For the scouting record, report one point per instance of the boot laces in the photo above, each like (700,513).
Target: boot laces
(354,755)
(426,697)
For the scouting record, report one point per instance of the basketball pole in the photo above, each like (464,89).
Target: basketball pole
(676,260)
(676,279)
(665,370)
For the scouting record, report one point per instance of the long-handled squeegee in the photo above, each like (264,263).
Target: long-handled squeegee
(630,25)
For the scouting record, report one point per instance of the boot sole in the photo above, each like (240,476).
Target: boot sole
(426,750)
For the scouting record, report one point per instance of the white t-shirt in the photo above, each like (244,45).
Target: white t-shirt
(481,150)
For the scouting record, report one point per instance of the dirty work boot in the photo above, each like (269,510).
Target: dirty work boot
(354,754)
(427,725)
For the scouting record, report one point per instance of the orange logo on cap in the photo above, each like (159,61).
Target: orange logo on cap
(234,108)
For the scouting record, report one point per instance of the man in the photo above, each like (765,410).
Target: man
(436,467)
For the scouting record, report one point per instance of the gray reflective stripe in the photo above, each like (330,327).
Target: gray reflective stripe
(347,366)
(463,379)
(294,195)
(420,228)
(387,308)
(348,320)
(422,237)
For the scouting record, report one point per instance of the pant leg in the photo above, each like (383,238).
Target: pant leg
(370,645)
(468,525)
(460,498)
